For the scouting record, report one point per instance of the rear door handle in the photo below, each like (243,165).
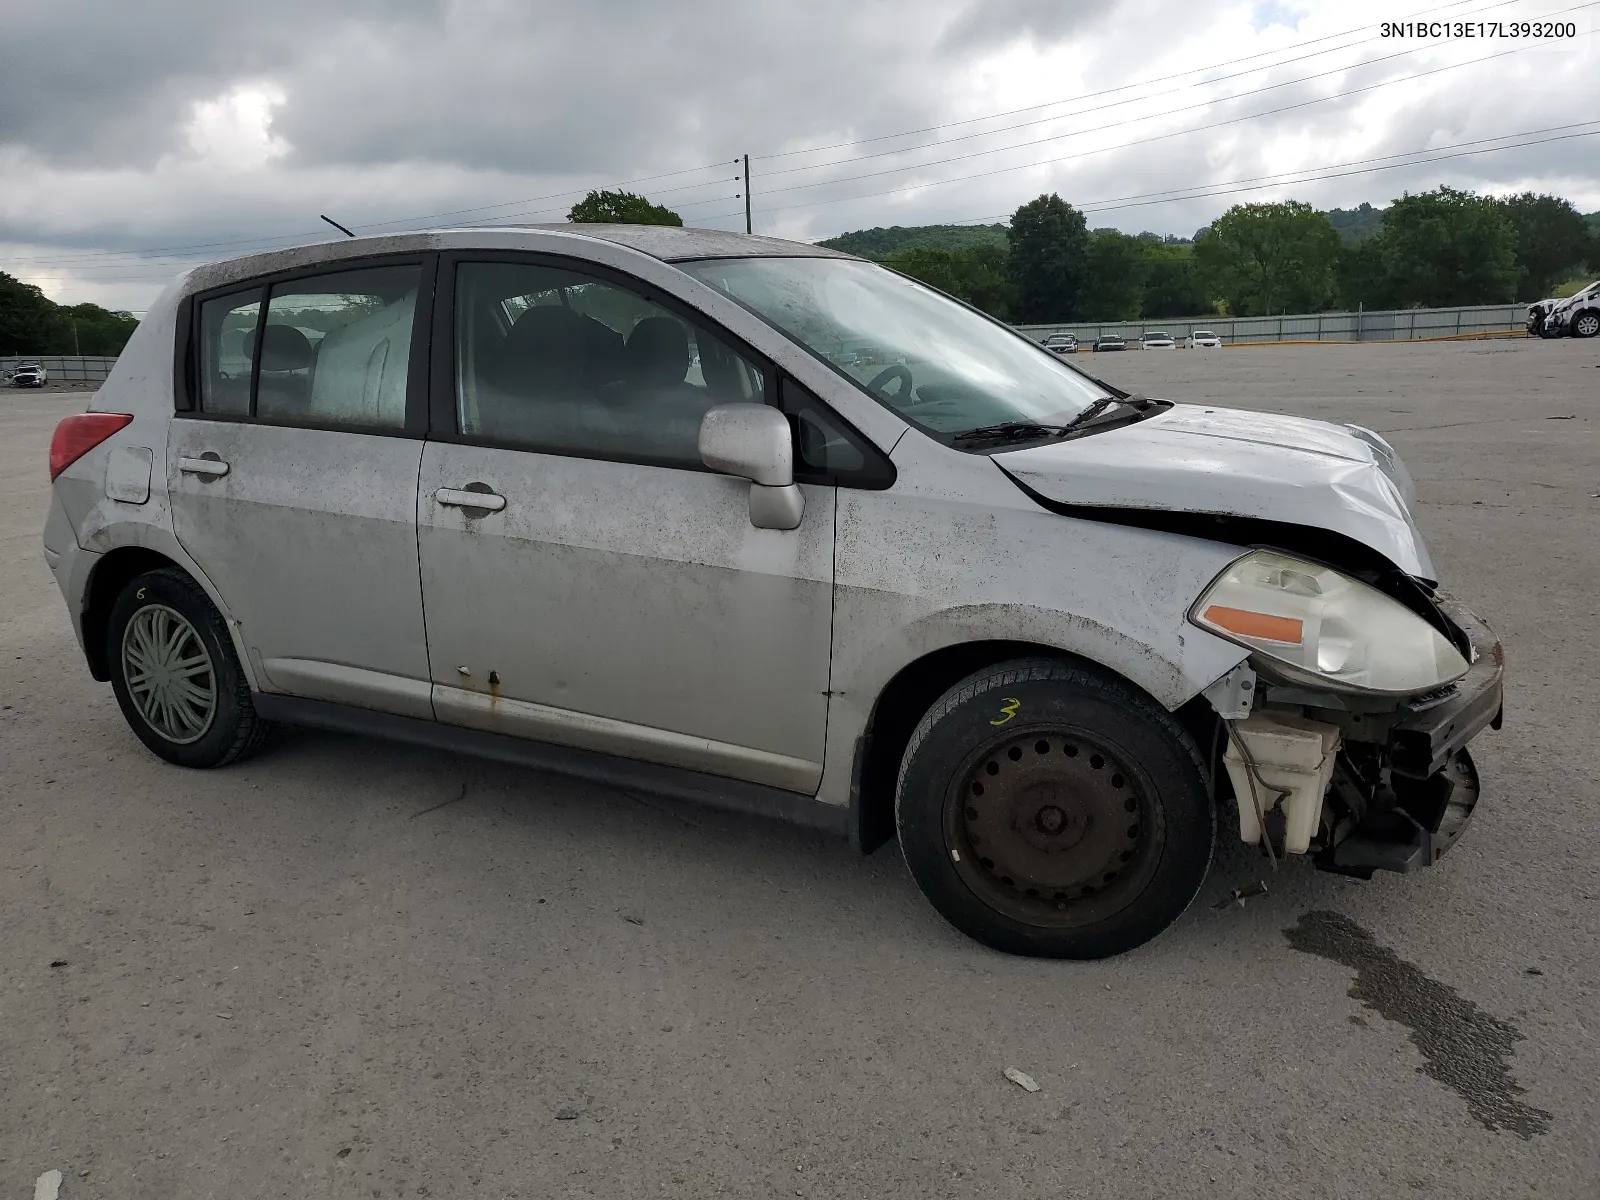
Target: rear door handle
(211,468)
(461,498)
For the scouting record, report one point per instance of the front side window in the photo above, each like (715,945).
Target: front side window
(556,360)
(938,364)
(227,347)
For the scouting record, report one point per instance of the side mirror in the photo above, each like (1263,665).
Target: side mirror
(753,442)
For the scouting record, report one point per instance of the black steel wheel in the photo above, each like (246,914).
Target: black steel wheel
(1052,828)
(1053,810)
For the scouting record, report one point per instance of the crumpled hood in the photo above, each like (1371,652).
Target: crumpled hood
(1203,459)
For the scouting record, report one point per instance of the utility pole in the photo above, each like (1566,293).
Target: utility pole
(747,228)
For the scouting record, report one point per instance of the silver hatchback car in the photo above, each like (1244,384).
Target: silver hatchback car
(765,525)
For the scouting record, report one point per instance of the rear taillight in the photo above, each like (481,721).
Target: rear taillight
(79,434)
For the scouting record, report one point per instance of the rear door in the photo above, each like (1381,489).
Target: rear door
(293,478)
(609,592)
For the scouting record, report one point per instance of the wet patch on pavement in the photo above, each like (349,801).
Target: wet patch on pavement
(1462,1046)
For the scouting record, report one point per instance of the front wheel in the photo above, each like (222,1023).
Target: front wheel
(1586,324)
(175,674)
(1049,810)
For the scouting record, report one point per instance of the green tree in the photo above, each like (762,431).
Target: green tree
(1172,285)
(31,323)
(621,208)
(976,274)
(1048,259)
(1362,281)
(1267,258)
(1552,241)
(1114,285)
(27,318)
(1448,247)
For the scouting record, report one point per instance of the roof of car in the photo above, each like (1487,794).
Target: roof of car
(669,243)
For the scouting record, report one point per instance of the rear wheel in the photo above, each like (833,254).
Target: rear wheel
(1053,811)
(175,674)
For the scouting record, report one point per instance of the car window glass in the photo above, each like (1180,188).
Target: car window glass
(935,362)
(336,349)
(227,342)
(827,450)
(555,360)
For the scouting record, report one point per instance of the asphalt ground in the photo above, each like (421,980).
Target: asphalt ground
(353,969)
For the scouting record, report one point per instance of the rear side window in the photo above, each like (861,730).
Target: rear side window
(335,350)
(559,361)
(227,346)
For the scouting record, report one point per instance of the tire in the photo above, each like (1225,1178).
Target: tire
(164,618)
(1587,323)
(1053,811)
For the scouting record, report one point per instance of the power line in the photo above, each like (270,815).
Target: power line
(1128,86)
(1257,183)
(1102,107)
(1152,117)
(1106,149)
(266,239)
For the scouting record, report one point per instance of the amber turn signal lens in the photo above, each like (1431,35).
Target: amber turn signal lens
(1256,625)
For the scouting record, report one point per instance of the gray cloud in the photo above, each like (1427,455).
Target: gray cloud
(392,111)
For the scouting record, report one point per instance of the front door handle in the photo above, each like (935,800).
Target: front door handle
(211,468)
(468,498)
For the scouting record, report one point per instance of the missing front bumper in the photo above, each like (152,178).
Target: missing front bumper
(1420,821)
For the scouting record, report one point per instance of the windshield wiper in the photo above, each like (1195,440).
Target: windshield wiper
(1090,413)
(1017,431)
(1008,431)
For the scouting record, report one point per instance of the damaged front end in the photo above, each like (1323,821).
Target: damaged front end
(1360,782)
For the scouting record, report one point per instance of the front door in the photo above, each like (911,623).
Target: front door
(586,580)
(293,486)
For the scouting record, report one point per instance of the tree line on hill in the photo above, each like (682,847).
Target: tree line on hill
(1426,250)
(32,324)
(1432,249)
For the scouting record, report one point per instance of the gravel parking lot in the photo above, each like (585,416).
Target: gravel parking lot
(347,968)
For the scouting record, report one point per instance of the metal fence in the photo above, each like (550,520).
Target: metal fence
(1399,325)
(1406,324)
(62,368)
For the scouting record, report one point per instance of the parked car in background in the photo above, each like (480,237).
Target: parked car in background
(1203,339)
(670,534)
(1109,341)
(1062,343)
(29,375)
(1156,340)
(1576,316)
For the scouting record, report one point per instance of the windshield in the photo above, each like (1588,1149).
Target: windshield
(939,365)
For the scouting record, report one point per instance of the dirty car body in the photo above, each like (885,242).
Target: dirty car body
(671,526)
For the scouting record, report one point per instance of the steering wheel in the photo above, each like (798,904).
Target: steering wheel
(881,381)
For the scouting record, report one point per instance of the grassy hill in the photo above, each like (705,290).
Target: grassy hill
(1356,224)
(881,242)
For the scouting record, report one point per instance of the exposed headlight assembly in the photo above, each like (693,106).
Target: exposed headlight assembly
(1312,625)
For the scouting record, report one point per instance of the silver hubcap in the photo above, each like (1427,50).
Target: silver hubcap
(169,674)
(1588,325)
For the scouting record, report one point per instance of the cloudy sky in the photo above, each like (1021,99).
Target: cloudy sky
(138,138)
